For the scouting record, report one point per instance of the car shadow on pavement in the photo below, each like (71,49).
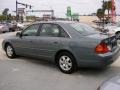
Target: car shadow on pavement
(107,71)
(37,61)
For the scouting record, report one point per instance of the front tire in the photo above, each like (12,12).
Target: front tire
(10,51)
(66,63)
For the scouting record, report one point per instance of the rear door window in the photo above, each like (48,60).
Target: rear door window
(50,30)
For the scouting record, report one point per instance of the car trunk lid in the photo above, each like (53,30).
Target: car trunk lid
(111,41)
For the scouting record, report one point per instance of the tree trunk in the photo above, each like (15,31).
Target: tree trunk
(108,13)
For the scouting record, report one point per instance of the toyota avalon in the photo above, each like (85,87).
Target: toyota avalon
(68,44)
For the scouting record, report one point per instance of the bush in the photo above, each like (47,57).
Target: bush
(2,17)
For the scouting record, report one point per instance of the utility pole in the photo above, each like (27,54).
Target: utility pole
(52,13)
(103,15)
(113,11)
(26,6)
(16,11)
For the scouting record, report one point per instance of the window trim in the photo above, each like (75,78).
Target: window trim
(61,29)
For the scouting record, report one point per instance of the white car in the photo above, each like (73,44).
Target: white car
(113,28)
(4,28)
(20,25)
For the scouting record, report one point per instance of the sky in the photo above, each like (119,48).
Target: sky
(78,6)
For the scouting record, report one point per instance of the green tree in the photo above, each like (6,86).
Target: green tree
(100,13)
(107,5)
(9,17)
(5,12)
(2,18)
(30,17)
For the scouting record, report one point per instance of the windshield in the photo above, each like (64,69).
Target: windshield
(83,28)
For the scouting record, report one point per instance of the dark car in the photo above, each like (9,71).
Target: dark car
(68,44)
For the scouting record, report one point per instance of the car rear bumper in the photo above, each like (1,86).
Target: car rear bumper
(101,60)
(110,57)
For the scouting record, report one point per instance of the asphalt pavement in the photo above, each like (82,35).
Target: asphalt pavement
(24,73)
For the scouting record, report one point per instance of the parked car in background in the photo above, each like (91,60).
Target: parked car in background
(68,44)
(20,26)
(4,28)
(113,28)
(27,24)
(12,27)
(111,84)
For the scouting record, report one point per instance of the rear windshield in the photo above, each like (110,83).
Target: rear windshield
(83,28)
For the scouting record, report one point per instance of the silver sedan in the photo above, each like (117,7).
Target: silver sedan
(4,28)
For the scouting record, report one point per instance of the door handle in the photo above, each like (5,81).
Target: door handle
(30,40)
(55,42)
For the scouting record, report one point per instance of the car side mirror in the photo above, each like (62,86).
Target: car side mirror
(18,34)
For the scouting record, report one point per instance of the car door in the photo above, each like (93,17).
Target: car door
(25,44)
(48,43)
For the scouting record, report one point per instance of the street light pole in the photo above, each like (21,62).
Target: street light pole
(103,15)
(113,11)
(16,11)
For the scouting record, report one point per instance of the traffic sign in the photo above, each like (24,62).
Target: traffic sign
(69,11)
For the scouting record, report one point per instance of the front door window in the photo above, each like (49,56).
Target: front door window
(31,30)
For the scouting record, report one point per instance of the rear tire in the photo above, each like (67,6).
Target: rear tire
(10,51)
(66,63)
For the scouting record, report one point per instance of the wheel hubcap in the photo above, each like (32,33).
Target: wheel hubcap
(65,63)
(9,51)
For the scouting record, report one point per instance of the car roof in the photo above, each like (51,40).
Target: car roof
(56,22)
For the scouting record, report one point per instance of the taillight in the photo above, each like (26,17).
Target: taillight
(102,48)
